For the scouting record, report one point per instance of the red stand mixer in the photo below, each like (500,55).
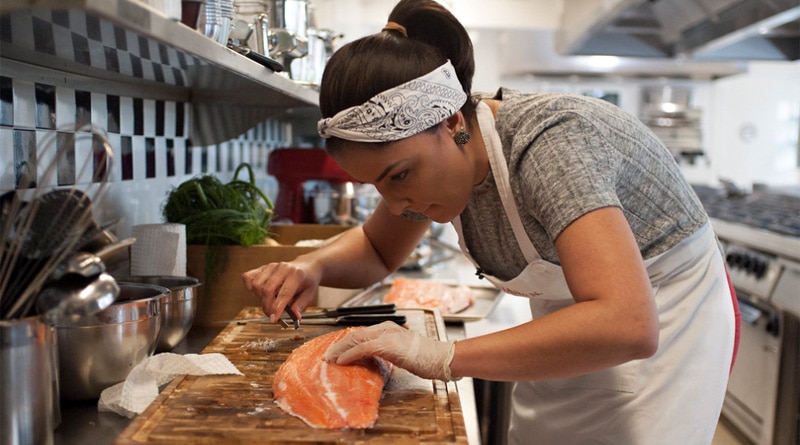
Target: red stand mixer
(292,167)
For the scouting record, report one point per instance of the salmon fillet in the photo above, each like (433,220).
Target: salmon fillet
(410,293)
(327,395)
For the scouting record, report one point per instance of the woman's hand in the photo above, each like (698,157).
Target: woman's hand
(279,285)
(423,356)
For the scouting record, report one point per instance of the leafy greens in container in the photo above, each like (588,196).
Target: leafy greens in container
(214,213)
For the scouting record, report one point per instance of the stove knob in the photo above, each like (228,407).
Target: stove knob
(760,268)
(774,325)
(747,262)
(734,259)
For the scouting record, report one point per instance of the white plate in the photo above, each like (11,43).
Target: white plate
(486,299)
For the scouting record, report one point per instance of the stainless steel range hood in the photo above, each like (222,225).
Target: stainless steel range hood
(687,29)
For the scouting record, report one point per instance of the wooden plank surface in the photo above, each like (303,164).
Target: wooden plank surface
(241,409)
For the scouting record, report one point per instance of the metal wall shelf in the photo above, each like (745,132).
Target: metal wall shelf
(126,47)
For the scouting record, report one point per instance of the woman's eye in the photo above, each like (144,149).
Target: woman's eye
(400,176)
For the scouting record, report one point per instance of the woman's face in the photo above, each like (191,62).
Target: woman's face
(426,173)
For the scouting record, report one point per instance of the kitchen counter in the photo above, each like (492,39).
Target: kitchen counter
(82,423)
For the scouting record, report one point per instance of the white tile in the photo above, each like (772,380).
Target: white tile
(47,157)
(161,157)
(139,161)
(99,111)
(6,159)
(84,158)
(116,165)
(97,55)
(149,107)
(169,118)
(24,103)
(61,34)
(126,116)
(65,108)
(77,22)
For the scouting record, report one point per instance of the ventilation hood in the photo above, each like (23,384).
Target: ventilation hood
(686,29)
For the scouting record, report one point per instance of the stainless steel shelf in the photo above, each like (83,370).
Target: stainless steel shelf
(124,45)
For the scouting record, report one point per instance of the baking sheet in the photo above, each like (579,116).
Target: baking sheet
(486,298)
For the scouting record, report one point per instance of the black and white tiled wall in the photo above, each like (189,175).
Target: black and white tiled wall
(95,42)
(149,139)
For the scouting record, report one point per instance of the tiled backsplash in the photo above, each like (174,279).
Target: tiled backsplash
(149,138)
(97,43)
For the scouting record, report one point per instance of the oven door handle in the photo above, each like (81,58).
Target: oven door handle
(751,313)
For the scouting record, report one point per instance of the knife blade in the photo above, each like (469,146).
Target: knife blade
(351,320)
(387,308)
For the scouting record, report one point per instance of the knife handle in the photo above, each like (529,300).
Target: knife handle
(369,319)
(387,308)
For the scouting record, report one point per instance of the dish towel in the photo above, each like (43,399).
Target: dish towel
(140,388)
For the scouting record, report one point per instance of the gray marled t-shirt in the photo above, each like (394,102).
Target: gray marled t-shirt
(568,155)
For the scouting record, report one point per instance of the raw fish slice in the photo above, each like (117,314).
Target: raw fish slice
(327,395)
(412,293)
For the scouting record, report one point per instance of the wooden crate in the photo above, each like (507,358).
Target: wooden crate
(223,296)
(241,409)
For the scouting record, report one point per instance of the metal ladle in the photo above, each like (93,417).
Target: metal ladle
(84,264)
(71,300)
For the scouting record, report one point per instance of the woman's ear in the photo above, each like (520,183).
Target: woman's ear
(455,123)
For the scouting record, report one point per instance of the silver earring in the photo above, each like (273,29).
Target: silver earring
(461,137)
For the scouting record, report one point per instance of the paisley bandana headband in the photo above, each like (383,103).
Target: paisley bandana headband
(399,112)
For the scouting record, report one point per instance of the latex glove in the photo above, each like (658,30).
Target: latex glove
(423,356)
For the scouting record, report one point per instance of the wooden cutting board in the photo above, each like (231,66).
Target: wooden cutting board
(241,409)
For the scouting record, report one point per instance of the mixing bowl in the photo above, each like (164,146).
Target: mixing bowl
(100,350)
(177,311)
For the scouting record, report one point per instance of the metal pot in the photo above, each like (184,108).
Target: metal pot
(100,350)
(177,311)
(28,387)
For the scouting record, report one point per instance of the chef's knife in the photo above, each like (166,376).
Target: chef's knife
(388,308)
(351,320)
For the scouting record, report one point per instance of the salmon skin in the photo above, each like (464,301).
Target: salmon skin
(327,395)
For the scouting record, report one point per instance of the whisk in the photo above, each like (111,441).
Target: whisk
(42,224)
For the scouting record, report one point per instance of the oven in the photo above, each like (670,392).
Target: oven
(760,235)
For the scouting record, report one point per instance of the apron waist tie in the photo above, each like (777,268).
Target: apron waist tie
(738,319)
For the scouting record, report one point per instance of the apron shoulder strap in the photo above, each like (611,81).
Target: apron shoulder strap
(499,167)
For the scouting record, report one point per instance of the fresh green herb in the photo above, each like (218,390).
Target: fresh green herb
(236,213)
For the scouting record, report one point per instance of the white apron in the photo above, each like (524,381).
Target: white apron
(674,397)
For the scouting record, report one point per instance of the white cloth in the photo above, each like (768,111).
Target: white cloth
(140,388)
(674,397)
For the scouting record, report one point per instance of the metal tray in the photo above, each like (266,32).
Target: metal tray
(486,298)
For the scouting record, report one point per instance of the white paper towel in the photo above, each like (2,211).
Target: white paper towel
(140,388)
(160,249)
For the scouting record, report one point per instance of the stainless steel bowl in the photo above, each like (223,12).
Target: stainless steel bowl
(177,311)
(100,350)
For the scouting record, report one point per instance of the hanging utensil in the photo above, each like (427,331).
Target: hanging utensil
(71,300)
(41,234)
(84,264)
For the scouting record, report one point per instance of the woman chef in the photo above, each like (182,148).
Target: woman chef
(563,199)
